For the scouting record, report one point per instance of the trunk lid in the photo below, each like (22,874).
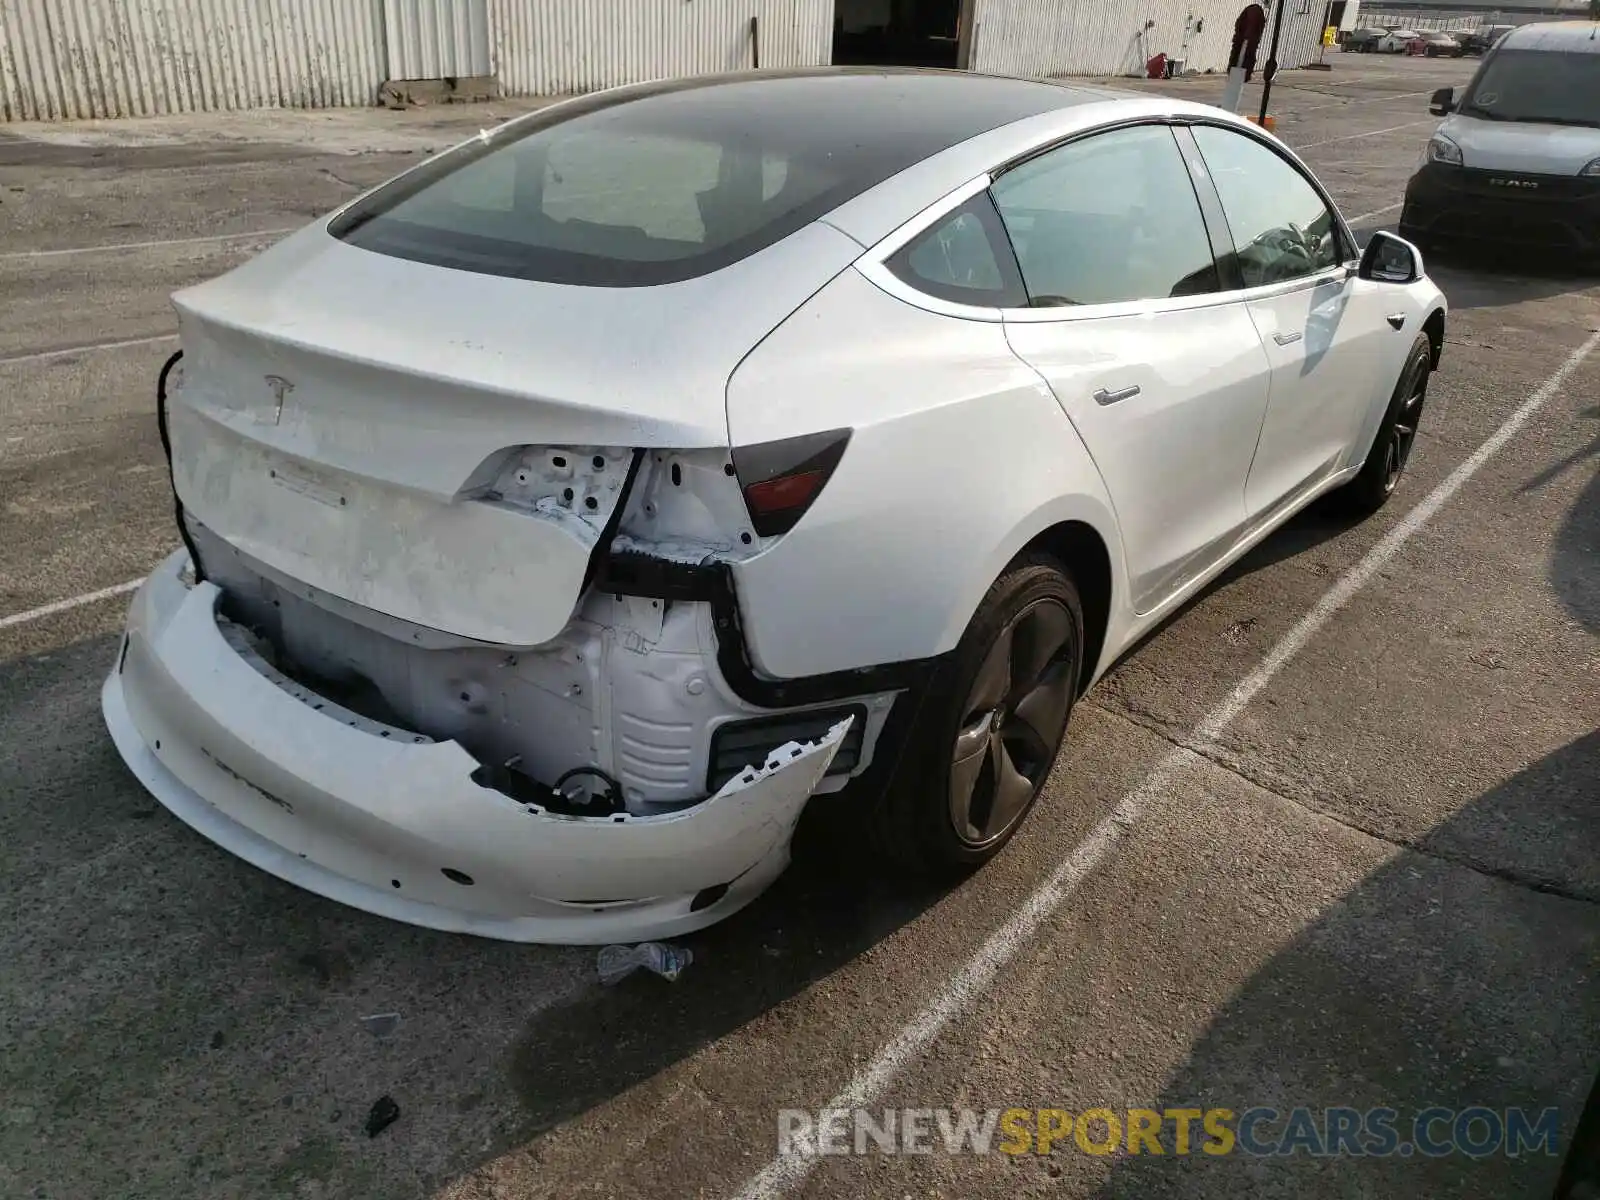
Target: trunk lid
(446,447)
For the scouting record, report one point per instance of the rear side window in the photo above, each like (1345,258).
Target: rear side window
(964,258)
(1112,217)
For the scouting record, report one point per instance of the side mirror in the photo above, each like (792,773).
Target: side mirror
(1390,259)
(1443,102)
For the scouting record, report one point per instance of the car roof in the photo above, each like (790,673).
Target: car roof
(1582,37)
(914,112)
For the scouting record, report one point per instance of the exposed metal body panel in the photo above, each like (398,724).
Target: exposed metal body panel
(76,59)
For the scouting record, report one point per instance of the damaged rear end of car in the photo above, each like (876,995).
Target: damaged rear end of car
(453,637)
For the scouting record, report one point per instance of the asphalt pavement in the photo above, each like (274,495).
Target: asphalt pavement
(1328,838)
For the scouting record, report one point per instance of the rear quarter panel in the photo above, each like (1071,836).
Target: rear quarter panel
(960,456)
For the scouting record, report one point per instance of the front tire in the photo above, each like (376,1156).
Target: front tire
(996,721)
(1397,434)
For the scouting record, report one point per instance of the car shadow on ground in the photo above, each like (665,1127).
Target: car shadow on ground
(822,913)
(1501,280)
(1485,277)
(1392,998)
(1575,558)
(208,978)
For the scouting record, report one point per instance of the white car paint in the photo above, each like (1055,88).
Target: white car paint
(401,509)
(374,817)
(1396,41)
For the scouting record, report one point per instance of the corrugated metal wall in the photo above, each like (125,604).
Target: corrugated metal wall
(108,58)
(437,39)
(547,47)
(1108,37)
(115,58)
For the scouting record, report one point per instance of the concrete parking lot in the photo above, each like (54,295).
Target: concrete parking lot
(1352,855)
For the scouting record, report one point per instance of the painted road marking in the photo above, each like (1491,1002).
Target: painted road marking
(975,978)
(114,246)
(61,606)
(42,355)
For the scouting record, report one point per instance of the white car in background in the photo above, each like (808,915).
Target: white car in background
(562,515)
(1396,41)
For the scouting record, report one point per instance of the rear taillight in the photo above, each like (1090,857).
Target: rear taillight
(780,480)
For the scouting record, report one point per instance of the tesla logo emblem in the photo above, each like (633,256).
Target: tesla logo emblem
(281,387)
(1516,183)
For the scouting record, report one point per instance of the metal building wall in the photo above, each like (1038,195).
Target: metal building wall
(64,59)
(437,39)
(549,47)
(1108,37)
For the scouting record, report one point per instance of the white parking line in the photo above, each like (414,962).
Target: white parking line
(1351,137)
(61,606)
(1377,212)
(975,978)
(114,246)
(1369,100)
(41,355)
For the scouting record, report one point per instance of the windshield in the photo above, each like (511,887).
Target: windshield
(1545,86)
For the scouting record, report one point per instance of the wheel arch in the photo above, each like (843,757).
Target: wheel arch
(1079,531)
(1434,328)
(1079,547)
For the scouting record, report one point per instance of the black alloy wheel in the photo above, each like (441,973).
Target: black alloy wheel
(1014,718)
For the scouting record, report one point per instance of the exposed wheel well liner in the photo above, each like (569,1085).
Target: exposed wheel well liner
(1434,328)
(1080,549)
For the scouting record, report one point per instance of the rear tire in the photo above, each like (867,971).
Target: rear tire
(996,719)
(1397,434)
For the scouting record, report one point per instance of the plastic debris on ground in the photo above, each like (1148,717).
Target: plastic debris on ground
(381,1025)
(385,1112)
(616,963)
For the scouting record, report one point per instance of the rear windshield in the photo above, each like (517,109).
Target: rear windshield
(1549,87)
(659,189)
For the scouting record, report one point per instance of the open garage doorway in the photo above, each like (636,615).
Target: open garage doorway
(902,33)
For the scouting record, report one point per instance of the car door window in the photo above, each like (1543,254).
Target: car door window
(1109,218)
(1282,228)
(964,258)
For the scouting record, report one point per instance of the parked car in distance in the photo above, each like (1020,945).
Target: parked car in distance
(1396,41)
(1516,162)
(1482,40)
(1435,43)
(1363,41)
(756,429)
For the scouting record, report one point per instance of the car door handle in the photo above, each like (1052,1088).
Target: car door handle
(1286,339)
(1105,397)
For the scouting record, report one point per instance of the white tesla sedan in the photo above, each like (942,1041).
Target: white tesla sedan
(563,515)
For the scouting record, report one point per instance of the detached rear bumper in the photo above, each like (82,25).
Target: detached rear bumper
(1465,206)
(388,821)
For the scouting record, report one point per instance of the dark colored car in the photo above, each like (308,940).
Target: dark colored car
(1437,44)
(1481,40)
(1363,41)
